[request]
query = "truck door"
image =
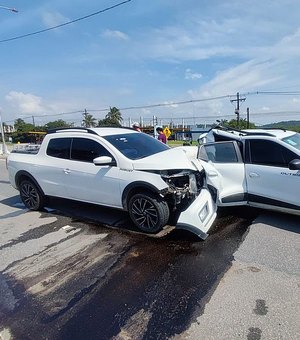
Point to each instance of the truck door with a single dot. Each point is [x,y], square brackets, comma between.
[87,182]
[225,170]
[50,169]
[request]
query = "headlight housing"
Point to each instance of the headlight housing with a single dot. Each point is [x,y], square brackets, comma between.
[187,181]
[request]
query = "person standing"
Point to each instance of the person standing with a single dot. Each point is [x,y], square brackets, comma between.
[136,127]
[161,136]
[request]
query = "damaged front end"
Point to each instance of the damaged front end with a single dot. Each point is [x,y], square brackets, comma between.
[190,200]
[183,187]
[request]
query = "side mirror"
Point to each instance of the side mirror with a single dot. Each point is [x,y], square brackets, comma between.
[294,164]
[104,160]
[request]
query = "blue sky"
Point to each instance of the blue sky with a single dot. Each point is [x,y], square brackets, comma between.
[147,52]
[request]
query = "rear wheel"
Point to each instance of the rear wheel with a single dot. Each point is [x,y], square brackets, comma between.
[31,195]
[148,212]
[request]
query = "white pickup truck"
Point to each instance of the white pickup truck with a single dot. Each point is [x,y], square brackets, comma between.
[119,168]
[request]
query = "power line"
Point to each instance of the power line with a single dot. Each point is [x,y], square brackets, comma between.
[66,23]
[179,103]
[165,104]
[225,116]
[277,93]
[197,100]
[282,93]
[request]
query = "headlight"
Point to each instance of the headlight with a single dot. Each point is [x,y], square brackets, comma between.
[203,213]
[177,180]
[193,184]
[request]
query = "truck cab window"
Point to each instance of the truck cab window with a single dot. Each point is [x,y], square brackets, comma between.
[59,148]
[85,150]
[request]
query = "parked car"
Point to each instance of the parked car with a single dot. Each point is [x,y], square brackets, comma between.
[119,168]
[258,167]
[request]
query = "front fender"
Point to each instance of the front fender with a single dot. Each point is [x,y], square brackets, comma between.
[137,187]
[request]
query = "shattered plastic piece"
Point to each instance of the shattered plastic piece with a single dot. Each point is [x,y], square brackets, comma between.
[67,228]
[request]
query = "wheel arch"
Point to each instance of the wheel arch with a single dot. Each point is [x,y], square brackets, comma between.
[137,187]
[22,174]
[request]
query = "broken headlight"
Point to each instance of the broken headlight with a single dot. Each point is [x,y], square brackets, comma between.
[184,184]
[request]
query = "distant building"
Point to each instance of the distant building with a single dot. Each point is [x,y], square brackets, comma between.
[8,128]
[190,132]
[198,129]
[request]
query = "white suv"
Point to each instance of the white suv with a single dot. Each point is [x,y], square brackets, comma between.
[119,168]
[255,167]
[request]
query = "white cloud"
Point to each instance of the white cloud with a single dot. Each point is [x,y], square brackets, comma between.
[115,35]
[170,104]
[51,19]
[25,103]
[248,76]
[189,74]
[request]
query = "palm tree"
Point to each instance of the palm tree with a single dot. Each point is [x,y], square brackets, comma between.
[114,115]
[88,120]
[113,118]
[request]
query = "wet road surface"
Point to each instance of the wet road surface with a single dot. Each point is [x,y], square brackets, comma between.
[95,282]
[157,290]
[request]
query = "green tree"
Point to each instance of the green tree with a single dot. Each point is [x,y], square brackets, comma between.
[21,126]
[56,124]
[242,124]
[113,118]
[88,120]
[22,130]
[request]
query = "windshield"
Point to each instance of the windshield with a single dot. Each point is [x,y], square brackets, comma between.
[136,145]
[293,140]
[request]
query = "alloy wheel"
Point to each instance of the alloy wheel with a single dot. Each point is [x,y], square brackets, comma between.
[29,195]
[145,213]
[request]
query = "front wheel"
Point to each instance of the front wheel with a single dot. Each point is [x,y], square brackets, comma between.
[31,195]
[149,213]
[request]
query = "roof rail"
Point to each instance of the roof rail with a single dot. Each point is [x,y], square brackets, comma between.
[85,129]
[245,133]
[274,128]
[72,129]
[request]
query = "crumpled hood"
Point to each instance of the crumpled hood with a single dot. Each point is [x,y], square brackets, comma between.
[175,158]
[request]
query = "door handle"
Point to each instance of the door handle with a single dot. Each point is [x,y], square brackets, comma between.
[67,171]
[253,175]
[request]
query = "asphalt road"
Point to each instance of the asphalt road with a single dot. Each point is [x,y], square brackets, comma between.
[78,271]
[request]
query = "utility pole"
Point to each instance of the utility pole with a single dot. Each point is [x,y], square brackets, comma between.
[154,126]
[248,118]
[237,109]
[4,150]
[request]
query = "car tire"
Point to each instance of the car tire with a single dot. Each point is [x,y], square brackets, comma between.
[31,195]
[148,212]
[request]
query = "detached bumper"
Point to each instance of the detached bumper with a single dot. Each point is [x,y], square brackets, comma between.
[199,216]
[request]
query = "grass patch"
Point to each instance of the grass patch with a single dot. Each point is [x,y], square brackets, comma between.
[173,143]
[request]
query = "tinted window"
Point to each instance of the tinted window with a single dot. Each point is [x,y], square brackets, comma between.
[270,153]
[220,153]
[293,140]
[136,145]
[59,147]
[86,150]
